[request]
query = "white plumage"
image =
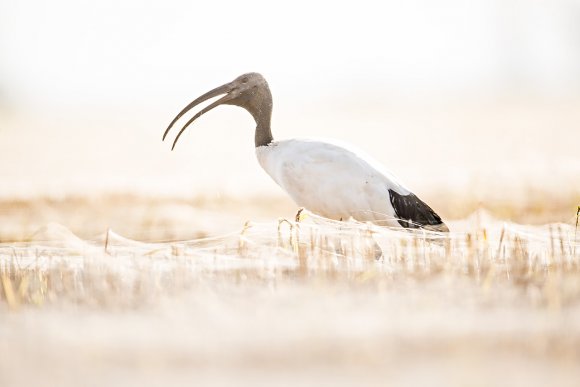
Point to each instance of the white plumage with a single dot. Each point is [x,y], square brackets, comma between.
[331,180]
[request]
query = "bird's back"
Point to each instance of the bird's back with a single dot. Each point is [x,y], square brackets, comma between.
[332,180]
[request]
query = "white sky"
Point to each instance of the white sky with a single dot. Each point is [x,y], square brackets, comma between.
[124,51]
[87,85]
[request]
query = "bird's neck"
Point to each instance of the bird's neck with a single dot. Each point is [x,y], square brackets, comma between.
[263,135]
[260,106]
[263,117]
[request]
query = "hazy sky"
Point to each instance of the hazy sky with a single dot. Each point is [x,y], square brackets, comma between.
[86,87]
[114,50]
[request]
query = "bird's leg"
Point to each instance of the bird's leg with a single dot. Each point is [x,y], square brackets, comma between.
[378,252]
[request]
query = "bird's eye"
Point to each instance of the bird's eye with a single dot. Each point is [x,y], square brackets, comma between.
[244,80]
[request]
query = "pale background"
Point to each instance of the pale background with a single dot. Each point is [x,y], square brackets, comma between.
[449,95]
[479,100]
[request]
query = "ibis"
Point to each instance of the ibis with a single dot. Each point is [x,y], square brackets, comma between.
[328,179]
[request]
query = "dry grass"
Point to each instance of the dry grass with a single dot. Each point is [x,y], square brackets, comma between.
[295,302]
[149,218]
[56,265]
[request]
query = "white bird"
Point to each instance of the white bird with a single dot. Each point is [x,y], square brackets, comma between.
[327,179]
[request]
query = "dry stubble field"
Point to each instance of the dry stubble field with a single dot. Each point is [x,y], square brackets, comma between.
[127,290]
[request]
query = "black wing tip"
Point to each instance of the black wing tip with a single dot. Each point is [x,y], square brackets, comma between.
[412,212]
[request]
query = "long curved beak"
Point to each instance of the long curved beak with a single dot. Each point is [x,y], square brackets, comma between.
[223,89]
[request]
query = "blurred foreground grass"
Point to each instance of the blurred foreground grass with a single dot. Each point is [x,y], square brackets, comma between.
[283,302]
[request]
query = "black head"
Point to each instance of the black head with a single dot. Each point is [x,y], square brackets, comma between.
[249,91]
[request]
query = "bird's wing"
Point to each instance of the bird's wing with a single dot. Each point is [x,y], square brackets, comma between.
[332,180]
[339,182]
[415,213]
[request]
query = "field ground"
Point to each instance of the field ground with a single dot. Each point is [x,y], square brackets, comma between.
[127,290]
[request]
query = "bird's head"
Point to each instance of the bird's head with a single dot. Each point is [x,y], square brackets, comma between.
[249,91]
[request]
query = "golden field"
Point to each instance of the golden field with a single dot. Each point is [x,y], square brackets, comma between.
[149,291]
